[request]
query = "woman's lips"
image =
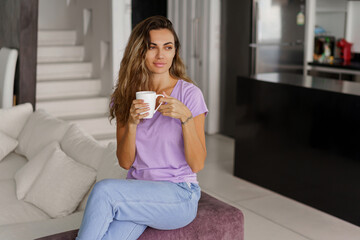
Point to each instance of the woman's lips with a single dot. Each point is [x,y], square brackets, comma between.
[159,64]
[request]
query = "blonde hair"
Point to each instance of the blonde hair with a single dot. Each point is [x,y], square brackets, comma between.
[134,75]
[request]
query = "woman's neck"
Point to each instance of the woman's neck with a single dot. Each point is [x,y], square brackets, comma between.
[162,82]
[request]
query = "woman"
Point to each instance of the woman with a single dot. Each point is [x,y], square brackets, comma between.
[163,154]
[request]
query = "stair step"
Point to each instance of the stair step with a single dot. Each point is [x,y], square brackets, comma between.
[99,128]
[67,89]
[76,108]
[53,71]
[56,37]
[60,54]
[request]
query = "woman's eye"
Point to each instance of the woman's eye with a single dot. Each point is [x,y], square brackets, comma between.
[151,47]
[169,48]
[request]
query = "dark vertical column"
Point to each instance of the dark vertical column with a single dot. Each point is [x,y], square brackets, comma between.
[9,29]
[28,27]
[142,9]
[235,56]
[18,30]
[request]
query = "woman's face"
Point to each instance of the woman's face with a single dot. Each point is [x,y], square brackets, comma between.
[161,51]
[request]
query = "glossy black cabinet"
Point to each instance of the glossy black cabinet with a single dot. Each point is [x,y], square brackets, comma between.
[299,136]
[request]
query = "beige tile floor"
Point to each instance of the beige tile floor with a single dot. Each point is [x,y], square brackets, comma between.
[268,215]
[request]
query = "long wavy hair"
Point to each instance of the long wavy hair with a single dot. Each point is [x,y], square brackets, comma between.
[134,75]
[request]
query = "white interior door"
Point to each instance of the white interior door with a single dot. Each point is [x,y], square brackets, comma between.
[197,23]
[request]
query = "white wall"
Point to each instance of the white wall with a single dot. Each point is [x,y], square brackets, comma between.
[333,22]
[331,15]
[353,25]
[331,5]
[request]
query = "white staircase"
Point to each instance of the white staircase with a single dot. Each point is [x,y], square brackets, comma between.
[66,87]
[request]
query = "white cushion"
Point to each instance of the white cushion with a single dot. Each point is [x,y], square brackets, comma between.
[19,212]
[110,167]
[10,164]
[82,204]
[7,145]
[27,175]
[61,185]
[39,130]
[12,120]
[7,191]
[82,147]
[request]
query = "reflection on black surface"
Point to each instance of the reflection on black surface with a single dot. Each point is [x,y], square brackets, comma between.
[325,84]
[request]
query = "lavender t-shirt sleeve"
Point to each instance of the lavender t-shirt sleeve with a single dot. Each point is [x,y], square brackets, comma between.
[194,100]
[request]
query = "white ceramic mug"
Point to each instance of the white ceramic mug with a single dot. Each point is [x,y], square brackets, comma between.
[150,98]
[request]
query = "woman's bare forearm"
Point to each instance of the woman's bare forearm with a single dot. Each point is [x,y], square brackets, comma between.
[194,145]
[125,152]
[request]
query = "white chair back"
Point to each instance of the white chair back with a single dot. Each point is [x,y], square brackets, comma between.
[8,59]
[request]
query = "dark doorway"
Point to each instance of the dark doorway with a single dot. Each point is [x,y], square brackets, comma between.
[142,9]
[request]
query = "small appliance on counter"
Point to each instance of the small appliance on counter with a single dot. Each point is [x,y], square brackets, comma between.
[324,49]
[345,49]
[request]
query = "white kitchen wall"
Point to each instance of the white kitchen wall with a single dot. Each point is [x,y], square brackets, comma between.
[353,25]
[331,15]
[331,5]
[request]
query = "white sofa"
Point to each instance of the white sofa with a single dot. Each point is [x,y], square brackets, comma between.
[47,170]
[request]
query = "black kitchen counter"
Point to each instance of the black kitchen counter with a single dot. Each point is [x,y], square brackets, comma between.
[319,83]
[299,136]
[338,64]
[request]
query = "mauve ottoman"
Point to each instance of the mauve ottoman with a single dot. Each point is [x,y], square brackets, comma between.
[215,220]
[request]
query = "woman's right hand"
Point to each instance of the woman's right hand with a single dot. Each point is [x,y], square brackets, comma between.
[137,107]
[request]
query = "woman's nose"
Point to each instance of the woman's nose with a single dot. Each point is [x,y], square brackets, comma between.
[160,54]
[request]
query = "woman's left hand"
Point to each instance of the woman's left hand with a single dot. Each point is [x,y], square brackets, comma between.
[174,108]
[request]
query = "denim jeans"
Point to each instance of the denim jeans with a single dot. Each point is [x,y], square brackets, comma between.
[122,209]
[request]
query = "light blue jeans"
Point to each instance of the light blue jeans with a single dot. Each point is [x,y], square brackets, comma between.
[122,209]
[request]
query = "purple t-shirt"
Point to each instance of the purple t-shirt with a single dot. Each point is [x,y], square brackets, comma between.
[160,152]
